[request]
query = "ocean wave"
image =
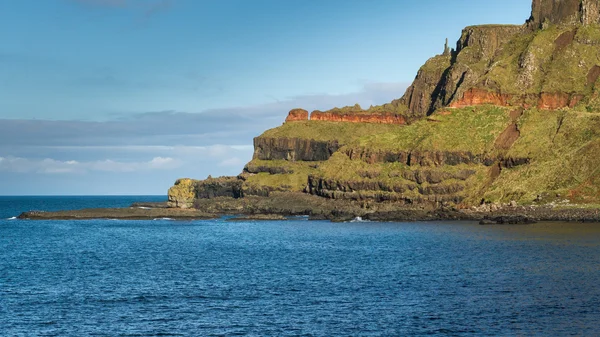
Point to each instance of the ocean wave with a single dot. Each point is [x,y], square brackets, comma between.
[12,218]
[359,219]
[166,219]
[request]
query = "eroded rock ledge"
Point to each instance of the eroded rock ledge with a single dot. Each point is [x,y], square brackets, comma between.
[380,117]
[543,101]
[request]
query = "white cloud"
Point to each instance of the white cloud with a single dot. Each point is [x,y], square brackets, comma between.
[53,166]
[14,164]
[49,165]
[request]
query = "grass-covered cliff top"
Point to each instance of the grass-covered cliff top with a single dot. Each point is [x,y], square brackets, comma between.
[471,129]
[394,107]
[294,180]
[326,131]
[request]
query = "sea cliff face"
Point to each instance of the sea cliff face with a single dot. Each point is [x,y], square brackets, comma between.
[511,114]
[293,149]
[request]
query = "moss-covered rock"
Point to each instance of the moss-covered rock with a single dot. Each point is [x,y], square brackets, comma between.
[183,193]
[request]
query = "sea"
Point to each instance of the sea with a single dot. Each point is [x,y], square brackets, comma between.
[291,278]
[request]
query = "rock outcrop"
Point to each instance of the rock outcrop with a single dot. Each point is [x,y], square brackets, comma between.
[476,96]
[297,115]
[420,96]
[186,191]
[354,114]
[182,194]
[543,101]
[293,149]
[376,118]
[546,12]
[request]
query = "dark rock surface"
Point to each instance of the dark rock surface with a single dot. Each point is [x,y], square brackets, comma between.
[132,213]
[219,187]
[560,11]
[508,220]
[259,217]
[281,204]
[150,205]
[293,149]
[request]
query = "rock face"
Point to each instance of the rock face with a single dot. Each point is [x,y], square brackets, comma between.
[296,115]
[558,100]
[219,187]
[182,194]
[555,11]
[421,95]
[293,149]
[418,158]
[186,191]
[545,12]
[544,101]
[376,118]
[475,49]
[475,96]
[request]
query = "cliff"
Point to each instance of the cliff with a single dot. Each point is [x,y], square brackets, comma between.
[511,114]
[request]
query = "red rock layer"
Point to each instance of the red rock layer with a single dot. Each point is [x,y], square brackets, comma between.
[545,101]
[297,115]
[558,100]
[378,118]
[479,96]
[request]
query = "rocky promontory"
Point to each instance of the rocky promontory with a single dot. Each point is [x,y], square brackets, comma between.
[511,115]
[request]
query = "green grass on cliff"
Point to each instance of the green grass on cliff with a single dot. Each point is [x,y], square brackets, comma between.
[471,129]
[325,131]
[436,64]
[294,181]
[564,148]
[356,109]
[341,168]
[531,63]
[569,68]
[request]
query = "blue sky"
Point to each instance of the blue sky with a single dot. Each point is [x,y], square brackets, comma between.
[125,96]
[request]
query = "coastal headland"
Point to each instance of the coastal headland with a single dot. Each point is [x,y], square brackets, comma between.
[503,128]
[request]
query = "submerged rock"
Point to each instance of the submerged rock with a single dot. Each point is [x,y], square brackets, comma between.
[508,220]
[259,217]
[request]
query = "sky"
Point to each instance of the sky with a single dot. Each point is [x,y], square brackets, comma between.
[107,97]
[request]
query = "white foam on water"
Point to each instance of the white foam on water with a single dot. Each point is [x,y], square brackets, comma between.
[167,219]
[359,219]
[13,218]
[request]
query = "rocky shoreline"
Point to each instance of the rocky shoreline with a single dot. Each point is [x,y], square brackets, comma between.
[284,205]
[131,213]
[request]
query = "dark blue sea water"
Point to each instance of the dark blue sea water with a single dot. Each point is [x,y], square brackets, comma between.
[294,278]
